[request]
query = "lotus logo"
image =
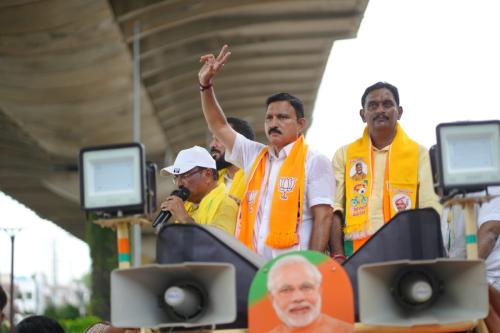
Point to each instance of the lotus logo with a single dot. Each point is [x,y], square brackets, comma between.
[251,196]
[287,184]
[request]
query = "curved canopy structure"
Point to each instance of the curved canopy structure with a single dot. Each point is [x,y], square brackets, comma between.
[66,69]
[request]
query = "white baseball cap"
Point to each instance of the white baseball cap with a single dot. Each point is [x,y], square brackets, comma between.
[188,159]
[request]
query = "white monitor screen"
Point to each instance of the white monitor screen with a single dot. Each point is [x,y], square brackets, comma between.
[114,174]
[470,154]
[112,177]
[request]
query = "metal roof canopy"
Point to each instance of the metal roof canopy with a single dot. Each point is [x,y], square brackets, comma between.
[66,69]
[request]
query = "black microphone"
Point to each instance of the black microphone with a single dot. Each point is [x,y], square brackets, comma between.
[163,217]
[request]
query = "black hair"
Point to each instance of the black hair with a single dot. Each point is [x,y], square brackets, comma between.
[380,85]
[215,174]
[3,298]
[242,126]
[294,102]
[39,324]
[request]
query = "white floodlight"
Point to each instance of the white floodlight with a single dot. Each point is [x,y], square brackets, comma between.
[112,178]
[468,155]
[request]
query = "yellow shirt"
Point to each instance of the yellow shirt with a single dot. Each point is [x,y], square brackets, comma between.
[237,184]
[225,216]
[426,195]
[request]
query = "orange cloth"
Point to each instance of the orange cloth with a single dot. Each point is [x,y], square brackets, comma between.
[288,199]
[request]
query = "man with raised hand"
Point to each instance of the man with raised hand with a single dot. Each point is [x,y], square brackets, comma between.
[397,173]
[229,174]
[289,188]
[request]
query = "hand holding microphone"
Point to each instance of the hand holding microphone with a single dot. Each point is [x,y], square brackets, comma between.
[183,193]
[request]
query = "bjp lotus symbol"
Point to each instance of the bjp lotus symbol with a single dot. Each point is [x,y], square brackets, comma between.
[286,185]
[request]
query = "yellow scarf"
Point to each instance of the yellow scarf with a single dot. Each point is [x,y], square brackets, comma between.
[400,182]
[287,204]
[237,186]
[204,213]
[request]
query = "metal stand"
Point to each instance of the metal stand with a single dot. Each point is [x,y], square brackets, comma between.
[11,232]
[136,125]
[121,224]
[11,296]
[468,205]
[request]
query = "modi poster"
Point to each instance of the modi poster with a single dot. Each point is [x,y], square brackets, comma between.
[302,291]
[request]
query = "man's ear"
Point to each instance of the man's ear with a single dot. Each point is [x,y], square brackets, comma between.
[400,112]
[302,124]
[270,296]
[210,175]
[362,115]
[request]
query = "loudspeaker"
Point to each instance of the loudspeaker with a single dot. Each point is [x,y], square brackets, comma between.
[187,295]
[412,235]
[179,243]
[407,293]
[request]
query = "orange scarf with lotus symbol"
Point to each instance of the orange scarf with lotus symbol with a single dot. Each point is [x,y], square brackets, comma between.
[287,204]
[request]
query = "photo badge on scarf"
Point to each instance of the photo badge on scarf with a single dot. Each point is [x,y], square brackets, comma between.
[358,187]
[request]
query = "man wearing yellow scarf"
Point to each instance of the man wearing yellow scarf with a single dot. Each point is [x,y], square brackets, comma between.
[379,174]
[208,202]
[286,205]
[229,174]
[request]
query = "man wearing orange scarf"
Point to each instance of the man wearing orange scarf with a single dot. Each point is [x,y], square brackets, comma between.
[396,173]
[286,205]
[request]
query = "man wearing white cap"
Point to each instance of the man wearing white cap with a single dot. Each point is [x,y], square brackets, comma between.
[208,202]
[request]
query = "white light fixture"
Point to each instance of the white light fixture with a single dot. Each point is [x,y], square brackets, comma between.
[468,155]
[112,178]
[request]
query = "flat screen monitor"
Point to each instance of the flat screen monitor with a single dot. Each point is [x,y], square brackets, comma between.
[112,177]
[469,155]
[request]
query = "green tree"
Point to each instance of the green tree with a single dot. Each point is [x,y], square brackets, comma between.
[68,311]
[86,280]
[79,325]
[102,243]
[51,311]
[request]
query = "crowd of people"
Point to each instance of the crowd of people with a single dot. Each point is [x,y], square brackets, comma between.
[284,196]
[290,197]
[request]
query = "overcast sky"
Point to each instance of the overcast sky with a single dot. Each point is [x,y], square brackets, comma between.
[443,55]
[39,245]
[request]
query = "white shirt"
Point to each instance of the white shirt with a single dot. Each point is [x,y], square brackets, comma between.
[453,228]
[228,182]
[491,212]
[319,185]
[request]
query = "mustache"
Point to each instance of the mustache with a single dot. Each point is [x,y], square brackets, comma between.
[274,130]
[300,305]
[215,150]
[381,116]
